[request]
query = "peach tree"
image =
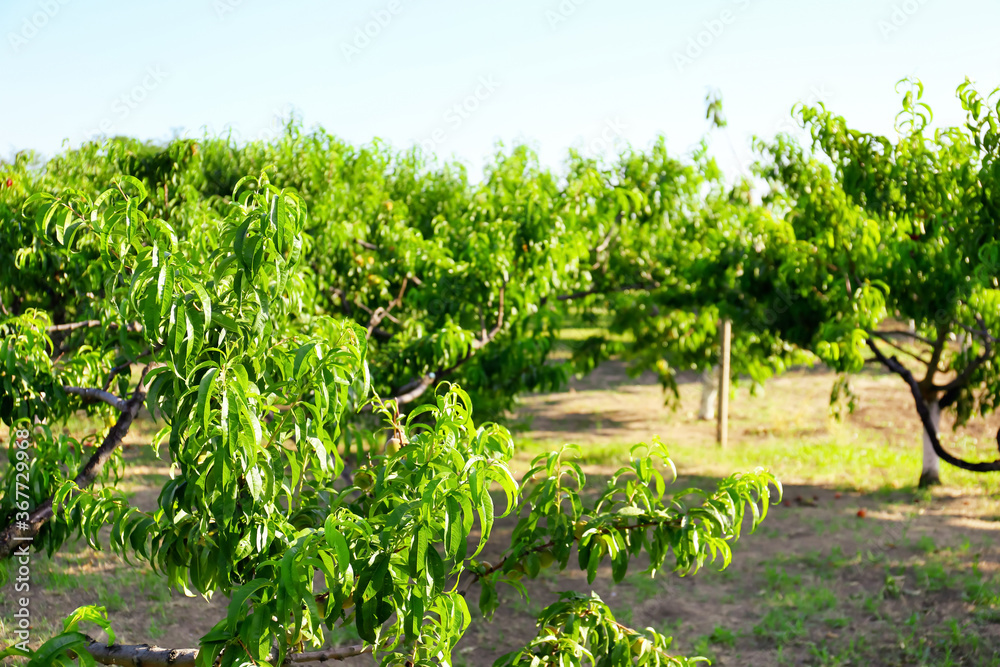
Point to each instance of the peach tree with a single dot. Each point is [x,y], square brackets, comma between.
[885,231]
[206,321]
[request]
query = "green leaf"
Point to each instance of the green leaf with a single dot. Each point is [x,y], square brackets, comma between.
[205,390]
[255,482]
[91,614]
[418,551]
[434,571]
[485,521]
[300,356]
[59,646]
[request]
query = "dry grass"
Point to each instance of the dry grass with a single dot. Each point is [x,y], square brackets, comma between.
[911,583]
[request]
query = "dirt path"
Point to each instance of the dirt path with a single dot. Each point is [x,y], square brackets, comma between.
[812,582]
[911,582]
[608,406]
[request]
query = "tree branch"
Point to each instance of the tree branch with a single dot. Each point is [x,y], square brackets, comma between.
[610,290]
[141,655]
[144,655]
[932,365]
[925,416]
[605,242]
[381,313]
[72,326]
[882,336]
[22,531]
[607,239]
[133,327]
[411,391]
[121,368]
[94,394]
[476,576]
[963,377]
[907,334]
[487,337]
[981,332]
[339,653]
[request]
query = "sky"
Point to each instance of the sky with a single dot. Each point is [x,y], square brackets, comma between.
[460,78]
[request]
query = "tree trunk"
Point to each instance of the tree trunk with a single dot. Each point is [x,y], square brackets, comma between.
[722,423]
[709,392]
[930,475]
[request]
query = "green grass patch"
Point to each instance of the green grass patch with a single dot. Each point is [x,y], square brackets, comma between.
[854,464]
[577,334]
[791,610]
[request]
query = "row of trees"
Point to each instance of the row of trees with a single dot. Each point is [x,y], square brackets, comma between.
[253,390]
[259,322]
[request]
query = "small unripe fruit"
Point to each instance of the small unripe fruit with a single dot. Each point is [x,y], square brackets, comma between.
[545,558]
[579,528]
[363,479]
[392,446]
[348,603]
[637,646]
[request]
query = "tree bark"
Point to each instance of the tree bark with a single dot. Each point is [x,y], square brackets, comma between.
[95,394]
[722,429]
[18,532]
[709,393]
[930,474]
[930,427]
[144,655]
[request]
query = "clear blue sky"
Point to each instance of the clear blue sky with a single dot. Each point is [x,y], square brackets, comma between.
[553,73]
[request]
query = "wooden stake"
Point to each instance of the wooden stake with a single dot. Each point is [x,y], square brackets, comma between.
[722,431]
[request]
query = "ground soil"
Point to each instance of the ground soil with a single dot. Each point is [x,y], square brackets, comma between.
[815,541]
